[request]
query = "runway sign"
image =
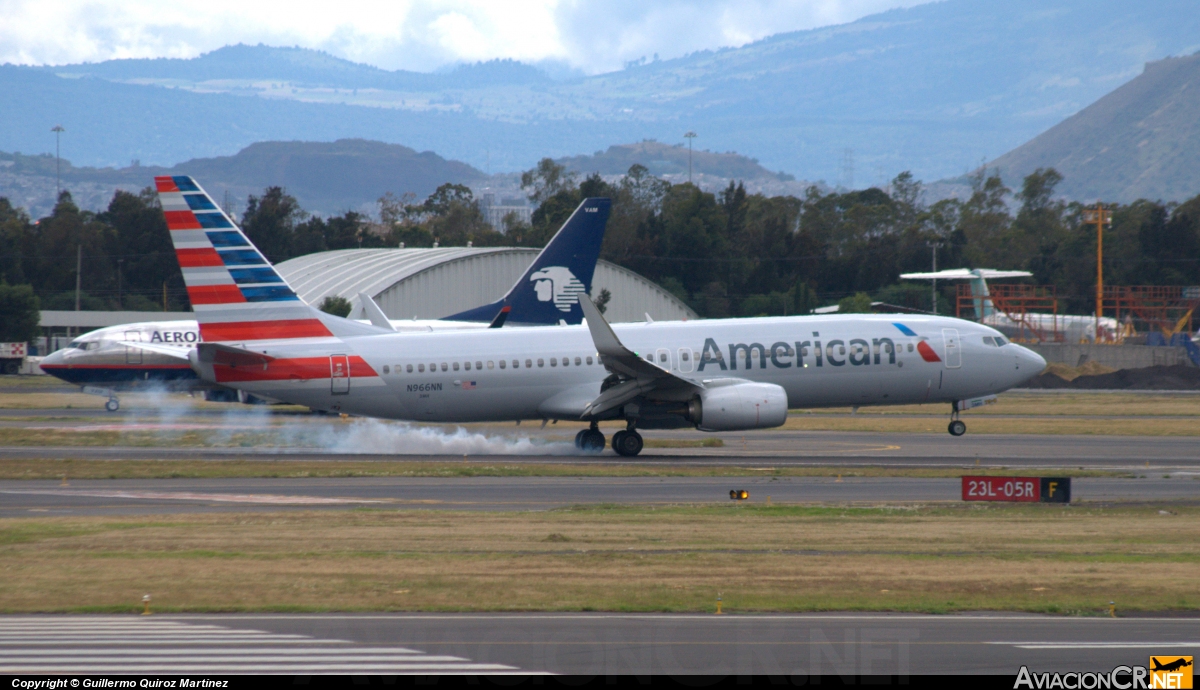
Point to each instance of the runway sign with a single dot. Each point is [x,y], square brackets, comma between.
[1017,489]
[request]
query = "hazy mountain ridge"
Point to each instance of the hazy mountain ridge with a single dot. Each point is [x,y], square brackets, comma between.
[1140,141]
[299,65]
[328,178]
[935,88]
[664,159]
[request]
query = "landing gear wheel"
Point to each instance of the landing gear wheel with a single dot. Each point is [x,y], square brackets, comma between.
[112,405]
[591,440]
[627,443]
[958,427]
[579,438]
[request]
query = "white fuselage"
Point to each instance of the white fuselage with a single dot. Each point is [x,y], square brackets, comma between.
[459,376]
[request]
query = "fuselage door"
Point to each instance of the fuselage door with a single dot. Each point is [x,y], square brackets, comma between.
[685,360]
[953,348]
[662,358]
[133,355]
[339,374]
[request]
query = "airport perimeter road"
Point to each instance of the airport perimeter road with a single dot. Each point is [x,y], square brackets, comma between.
[588,644]
[754,448]
[159,496]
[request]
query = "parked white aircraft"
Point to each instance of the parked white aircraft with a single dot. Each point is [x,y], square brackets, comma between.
[715,375]
[1073,327]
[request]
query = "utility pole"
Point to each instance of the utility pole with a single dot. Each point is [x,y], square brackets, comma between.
[934,246]
[689,136]
[58,130]
[1101,217]
[120,267]
[78,274]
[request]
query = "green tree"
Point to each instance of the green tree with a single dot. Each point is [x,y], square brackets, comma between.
[270,223]
[602,300]
[546,180]
[20,313]
[336,305]
[858,303]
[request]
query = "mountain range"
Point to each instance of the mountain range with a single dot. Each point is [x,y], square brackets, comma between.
[1140,141]
[935,89]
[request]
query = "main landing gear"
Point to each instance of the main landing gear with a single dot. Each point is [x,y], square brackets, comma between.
[957,426]
[590,440]
[627,442]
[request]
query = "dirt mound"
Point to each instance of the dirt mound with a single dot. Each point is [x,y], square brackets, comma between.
[1161,378]
[1071,373]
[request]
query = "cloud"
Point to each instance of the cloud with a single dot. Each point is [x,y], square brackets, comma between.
[589,35]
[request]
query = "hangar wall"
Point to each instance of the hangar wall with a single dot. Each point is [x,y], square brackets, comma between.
[432,283]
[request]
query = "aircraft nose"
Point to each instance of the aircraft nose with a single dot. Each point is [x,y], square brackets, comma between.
[1031,362]
[54,358]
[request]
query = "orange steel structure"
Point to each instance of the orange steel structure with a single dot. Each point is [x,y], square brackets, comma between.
[1015,301]
[1168,308]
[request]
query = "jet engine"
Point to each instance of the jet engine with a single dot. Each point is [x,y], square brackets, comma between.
[739,406]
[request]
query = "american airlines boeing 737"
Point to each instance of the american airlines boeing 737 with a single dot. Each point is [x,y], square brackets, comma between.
[713,375]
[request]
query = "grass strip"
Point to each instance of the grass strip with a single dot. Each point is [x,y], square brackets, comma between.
[58,468]
[928,558]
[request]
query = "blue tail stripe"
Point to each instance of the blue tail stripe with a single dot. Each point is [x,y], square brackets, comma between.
[242,276]
[241,257]
[231,238]
[199,202]
[271,293]
[185,184]
[212,220]
[904,329]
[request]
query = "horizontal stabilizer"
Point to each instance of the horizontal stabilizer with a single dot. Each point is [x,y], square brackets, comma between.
[229,356]
[374,313]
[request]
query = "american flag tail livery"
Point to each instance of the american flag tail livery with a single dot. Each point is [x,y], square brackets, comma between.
[235,292]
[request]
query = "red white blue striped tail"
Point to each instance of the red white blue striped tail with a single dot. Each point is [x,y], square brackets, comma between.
[236,293]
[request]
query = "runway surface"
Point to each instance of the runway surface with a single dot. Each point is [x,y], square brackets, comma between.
[164,496]
[586,644]
[756,448]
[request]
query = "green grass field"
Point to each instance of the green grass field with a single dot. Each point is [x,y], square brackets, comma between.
[610,558]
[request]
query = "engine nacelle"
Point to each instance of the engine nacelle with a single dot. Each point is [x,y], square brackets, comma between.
[739,406]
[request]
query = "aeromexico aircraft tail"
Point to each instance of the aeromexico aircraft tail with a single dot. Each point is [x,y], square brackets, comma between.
[549,291]
[236,294]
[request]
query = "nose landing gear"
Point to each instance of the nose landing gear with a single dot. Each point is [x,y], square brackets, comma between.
[957,426]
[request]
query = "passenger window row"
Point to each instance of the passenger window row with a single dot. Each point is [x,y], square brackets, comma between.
[419,368]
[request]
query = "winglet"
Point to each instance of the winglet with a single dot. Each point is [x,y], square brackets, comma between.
[603,337]
[501,317]
[374,313]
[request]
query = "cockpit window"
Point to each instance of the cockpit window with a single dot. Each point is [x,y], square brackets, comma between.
[994,341]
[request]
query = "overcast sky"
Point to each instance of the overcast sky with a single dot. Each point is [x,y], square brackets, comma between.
[589,35]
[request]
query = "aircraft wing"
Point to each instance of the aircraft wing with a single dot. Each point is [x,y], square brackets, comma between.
[640,377]
[966,274]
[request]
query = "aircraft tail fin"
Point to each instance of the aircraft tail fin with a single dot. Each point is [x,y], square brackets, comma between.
[550,289]
[236,293]
[981,296]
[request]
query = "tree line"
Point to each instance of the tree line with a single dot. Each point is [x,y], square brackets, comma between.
[729,253]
